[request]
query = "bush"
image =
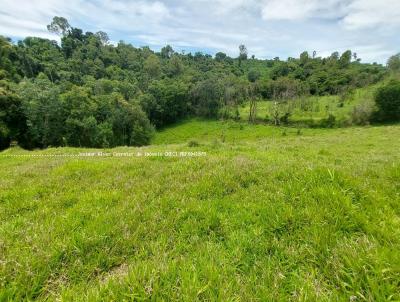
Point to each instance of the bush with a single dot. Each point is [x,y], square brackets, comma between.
[207,98]
[4,137]
[285,118]
[387,100]
[253,75]
[361,114]
[329,122]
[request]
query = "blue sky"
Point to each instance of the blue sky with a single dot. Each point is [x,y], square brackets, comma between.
[268,28]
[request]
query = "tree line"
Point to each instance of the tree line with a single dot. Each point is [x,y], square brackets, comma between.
[88,92]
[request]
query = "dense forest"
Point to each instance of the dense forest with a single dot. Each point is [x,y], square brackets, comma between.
[88,92]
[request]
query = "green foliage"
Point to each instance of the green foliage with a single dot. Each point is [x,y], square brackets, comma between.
[79,117]
[207,97]
[220,56]
[12,119]
[167,52]
[394,63]
[59,25]
[388,102]
[167,101]
[44,112]
[283,88]
[242,53]
[253,76]
[329,122]
[175,67]
[152,66]
[345,59]
[362,114]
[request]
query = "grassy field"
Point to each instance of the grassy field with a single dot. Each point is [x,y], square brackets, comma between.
[316,108]
[267,214]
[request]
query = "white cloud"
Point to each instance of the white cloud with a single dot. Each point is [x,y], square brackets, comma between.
[288,9]
[355,14]
[113,14]
[372,13]
[301,9]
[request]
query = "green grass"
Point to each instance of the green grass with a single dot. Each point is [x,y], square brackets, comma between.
[316,108]
[228,131]
[263,217]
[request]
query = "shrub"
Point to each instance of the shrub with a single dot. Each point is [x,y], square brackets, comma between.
[387,100]
[329,122]
[237,114]
[285,118]
[361,114]
[253,75]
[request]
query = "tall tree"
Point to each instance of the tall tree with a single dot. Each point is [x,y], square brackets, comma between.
[167,52]
[394,63]
[345,59]
[103,37]
[242,53]
[59,26]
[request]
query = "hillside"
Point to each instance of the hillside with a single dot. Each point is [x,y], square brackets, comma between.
[266,214]
[84,91]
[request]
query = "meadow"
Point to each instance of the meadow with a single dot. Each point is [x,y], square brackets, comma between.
[266,214]
[310,110]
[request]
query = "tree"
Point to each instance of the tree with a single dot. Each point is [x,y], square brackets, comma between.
[253,110]
[152,66]
[103,37]
[59,26]
[253,75]
[12,119]
[314,54]
[175,66]
[80,122]
[43,110]
[286,88]
[394,63]
[169,101]
[304,57]
[130,125]
[242,53]
[345,59]
[220,56]
[167,52]
[387,100]
[207,96]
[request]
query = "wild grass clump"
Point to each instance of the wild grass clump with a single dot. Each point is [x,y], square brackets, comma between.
[193,143]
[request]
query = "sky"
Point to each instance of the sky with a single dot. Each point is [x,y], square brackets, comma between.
[269,28]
